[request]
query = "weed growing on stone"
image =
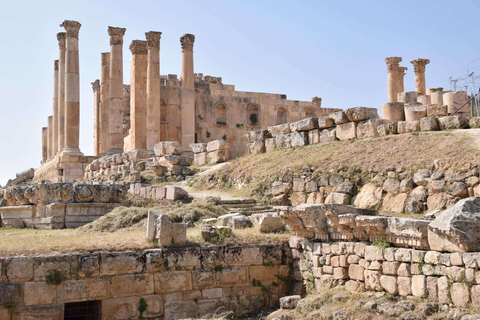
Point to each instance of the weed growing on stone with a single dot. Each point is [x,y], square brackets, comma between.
[382,244]
[55,277]
[142,307]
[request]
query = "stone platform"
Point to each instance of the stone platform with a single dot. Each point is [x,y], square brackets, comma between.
[63,168]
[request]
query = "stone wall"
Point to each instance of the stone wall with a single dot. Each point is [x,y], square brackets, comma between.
[440,277]
[174,282]
[63,169]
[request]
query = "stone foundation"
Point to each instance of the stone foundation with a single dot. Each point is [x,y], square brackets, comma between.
[63,169]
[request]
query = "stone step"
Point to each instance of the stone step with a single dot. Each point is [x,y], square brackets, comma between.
[256,208]
[238,201]
[245,205]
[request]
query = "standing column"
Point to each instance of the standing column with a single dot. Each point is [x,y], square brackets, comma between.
[72,90]
[55,110]
[44,144]
[115,141]
[61,91]
[96,119]
[392,77]
[104,103]
[419,68]
[188,91]
[153,89]
[138,95]
[49,138]
[400,79]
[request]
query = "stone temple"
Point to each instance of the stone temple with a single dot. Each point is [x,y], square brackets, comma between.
[192,108]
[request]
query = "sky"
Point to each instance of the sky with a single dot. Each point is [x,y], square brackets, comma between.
[331,49]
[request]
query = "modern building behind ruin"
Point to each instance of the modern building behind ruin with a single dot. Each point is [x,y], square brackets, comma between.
[153,108]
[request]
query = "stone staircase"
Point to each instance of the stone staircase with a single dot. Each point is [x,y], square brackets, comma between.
[245,206]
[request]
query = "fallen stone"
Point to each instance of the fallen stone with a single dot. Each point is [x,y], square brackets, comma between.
[304,124]
[239,222]
[175,193]
[361,113]
[429,124]
[452,122]
[270,224]
[217,145]
[289,302]
[415,111]
[223,220]
[279,129]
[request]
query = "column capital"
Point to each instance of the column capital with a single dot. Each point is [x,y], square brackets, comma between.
[153,39]
[96,85]
[402,71]
[187,41]
[392,63]
[72,28]
[419,65]
[61,39]
[138,47]
[116,35]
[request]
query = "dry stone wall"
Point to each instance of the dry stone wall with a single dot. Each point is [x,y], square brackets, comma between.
[175,282]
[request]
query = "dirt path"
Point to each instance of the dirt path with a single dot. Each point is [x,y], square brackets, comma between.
[474,133]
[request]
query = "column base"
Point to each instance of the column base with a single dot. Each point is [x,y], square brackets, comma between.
[71,152]
[114,151]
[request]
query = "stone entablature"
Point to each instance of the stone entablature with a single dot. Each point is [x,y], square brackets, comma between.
[176,283]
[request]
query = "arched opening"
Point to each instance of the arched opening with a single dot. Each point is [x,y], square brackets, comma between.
[253,115]
[309,113]
[221,114]
[281,115]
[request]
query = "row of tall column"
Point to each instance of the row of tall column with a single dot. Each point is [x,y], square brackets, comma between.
[396,73]
[61,136]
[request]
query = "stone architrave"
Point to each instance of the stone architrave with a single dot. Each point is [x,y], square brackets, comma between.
[188,91]
[72,90]
[400,80]
[96,121]
[392,77]
[49,137]
[153,89]
[138,95]
[419,68]
[44,144]
[104,102]
[115,144]
[61,37]
[55,110]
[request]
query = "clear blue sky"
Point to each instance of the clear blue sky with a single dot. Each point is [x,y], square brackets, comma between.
[331,49]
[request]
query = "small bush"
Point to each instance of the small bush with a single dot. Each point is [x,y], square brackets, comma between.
[55,277]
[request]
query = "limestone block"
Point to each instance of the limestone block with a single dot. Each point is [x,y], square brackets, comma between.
[175,193]
[372,280]
[475,296]
[256,147]
[415,111]
[278,130]
[338,117]
[437,110]
[407,97]
[389,255]
[167,148]
[340,273]
[474,122]
[43,268]
[432,289]
[361,113]
[402,127]
[239,222]
[39,293]
[369,196]
[167,233]
[305,124]
[328,135]
[114,263]
[254,136]
[356,286]
[424,99]
[298,139]
[460,295]
[443,287]
[436,97]
[20,269]
[404,286]
[338,198]
[128,285]
[173,281]
[232,276]
[271,144]
[180,309]
[456,101]
[325,122]
[346,131]
[419,286]
[389,283]
[393,111]
[367,128]
[390,267]
[452,122]
[386,128]
[223,219]
[429,124]
[200,159]
[271,224]
[202,147]
[217,156]
[373,253]
[217,145]
[394,203]
[413,126]
[289,302]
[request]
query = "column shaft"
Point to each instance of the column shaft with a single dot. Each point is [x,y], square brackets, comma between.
[400,79]
[96,119]
[392,77]
[55,109]
[188,91]
[138,95]
[44,144]
[104,103]
[115,144]
[61,91]
[50,138]
[72,90]
[153,89]
[419,68]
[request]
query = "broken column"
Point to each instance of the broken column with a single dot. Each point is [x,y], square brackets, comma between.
[55,110]
[188,91]
[44,144]
[456,102]
[393,111]
[72,90]
[138,95]
[419,68]
[392,77]
[61,90]
[104,102]
[96,120]
[436,96]
[115,141]
[153,89]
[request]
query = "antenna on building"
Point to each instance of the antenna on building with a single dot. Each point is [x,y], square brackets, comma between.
[475,94]
[455,84]
[450,83]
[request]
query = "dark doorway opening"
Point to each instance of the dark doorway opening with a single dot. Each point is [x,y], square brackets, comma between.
[84,310]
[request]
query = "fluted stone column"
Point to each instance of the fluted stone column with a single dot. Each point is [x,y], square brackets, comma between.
[153,89]
[419,68]
[61,91]
[104,103]
[401,71]
[55,109]
[44,144]
[188,91]
[97,116]
[115,144]
[49,137]
[72,90]
[392,77]
[138,95]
